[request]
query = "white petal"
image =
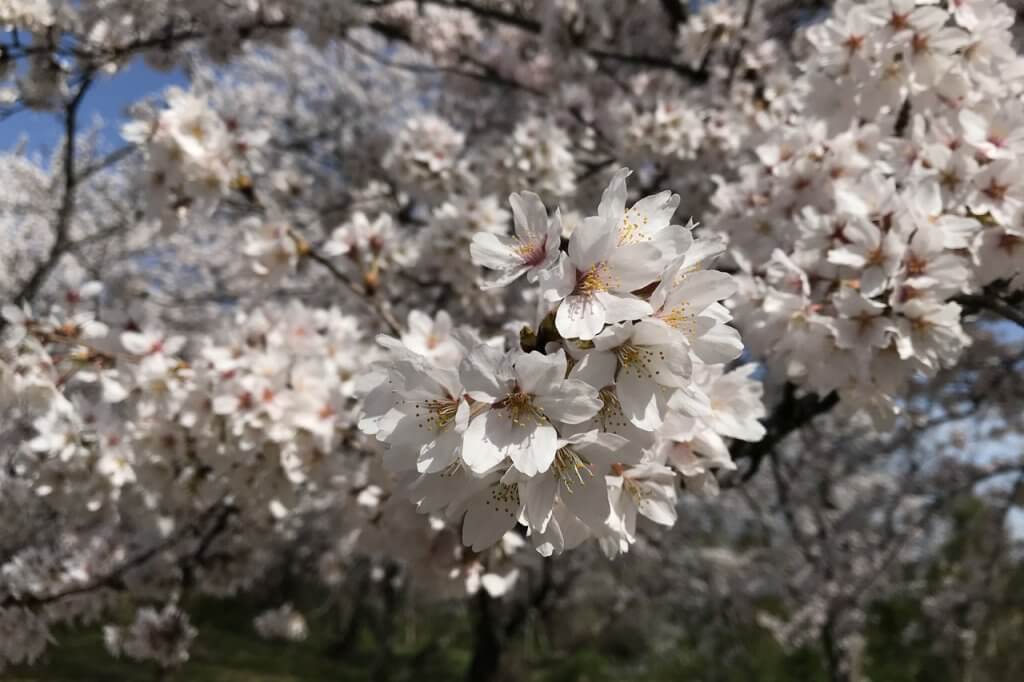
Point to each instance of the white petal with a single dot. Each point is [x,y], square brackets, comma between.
[539,500]
[721,344]
[497,252]
[538,373]
[485,442]
[620,308]
[490,515]
[440,452]
[590,243]
[638,401]
[535,448]
[479,373]
[580,317]
[635,266]
[529,215]
[588,500]
[596,368]
[574,403]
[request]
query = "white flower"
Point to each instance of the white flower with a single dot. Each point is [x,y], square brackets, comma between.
[420,412]
[533,249]
[432,338]
[577,479]
[596,279]
[930,332]
[863,325]
[995,134]
[524,397]
[877,256]
[491,513]
[651,364]
[647,220]
[648,489]
[687,301]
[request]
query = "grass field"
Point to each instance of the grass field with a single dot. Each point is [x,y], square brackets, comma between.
[437,648]
[228,650]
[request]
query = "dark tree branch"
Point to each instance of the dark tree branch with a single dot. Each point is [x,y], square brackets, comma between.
[676,10]
[112,579]
[789,415]
[372,301]
[493,14]
[992,303]
[737,54]
[699,75]
[62,220]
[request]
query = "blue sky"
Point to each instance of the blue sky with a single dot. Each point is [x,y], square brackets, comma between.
[106,101]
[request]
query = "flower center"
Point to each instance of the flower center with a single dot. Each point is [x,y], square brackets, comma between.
[436,414]
[533,253]
[521,409]
[916,265]
[591,281]
[679,318]
[631,231]
[638,359]
[610,415]
[570,465]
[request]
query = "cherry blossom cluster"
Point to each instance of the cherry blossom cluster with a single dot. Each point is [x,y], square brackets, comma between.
[59,36]
[386,529]
[890,192]
[142,441]
[148,431]
[586,421]
[193,155]
[284,623]
[161,635]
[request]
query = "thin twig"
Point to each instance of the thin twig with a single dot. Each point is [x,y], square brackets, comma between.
[62,221]
[372,301]
[993,304]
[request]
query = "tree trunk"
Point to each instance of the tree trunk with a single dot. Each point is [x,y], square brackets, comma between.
[484,665]
[837,672]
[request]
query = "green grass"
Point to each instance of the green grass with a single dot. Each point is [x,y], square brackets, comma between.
[227,649]
[435,647]
[218,655]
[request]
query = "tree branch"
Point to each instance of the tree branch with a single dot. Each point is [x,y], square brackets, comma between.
[375,304]
[992,303]
[789,415]
[677,10]
[62,221]
[112,578]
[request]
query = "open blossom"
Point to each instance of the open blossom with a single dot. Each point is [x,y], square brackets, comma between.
[610,256]
[524,395]
[650,363]
[687,300]
[577,480]
[647,489]
[533,249]
[420,411]
[863,325]
[594,281]
[930,332]
[696,444]
[876,255]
